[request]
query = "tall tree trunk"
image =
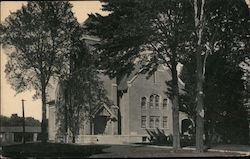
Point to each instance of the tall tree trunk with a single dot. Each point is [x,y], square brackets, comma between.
[176,128]
[67,95]
[200,104]
[44,122]
[175,104]
[199,22]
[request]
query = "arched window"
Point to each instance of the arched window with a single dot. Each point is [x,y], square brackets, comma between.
[143,102]
[165,103]
[151,100]
[157,100]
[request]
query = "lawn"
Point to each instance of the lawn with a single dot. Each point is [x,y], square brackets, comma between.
[51,150]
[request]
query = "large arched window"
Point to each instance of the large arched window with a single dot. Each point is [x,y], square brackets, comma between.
[143,102]
[151,101]
[157,101]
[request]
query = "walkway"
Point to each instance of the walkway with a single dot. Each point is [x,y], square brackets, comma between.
[125,151]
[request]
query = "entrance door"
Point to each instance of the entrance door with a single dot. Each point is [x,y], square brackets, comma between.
[100,123]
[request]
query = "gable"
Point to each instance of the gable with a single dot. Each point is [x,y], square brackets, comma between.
[104,110]
[162,75]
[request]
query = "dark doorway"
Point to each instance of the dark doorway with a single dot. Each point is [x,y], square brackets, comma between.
[186,126]
[100,123]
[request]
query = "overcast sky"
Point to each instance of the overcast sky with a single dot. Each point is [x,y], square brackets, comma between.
[9,102]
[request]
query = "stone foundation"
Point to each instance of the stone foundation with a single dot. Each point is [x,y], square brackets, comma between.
[110,139]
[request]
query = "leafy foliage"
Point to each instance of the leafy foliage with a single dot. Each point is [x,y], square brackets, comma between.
[40,35]
[224,44]
[143,33]
[15,120]
[139,32]
[158,137]
[80,92]
[225,113]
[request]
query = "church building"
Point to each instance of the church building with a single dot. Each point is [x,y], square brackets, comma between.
[140,105]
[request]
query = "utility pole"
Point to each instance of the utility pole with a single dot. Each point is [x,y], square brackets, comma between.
[23,121]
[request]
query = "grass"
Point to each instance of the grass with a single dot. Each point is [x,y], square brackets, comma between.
[51,150]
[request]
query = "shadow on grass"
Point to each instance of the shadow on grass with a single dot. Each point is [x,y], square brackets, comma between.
[51,150]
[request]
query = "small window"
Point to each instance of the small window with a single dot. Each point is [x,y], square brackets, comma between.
[157,98]
[143,102]
[157,121]
[151,122]
[143,121]
[144,138]
[165,103]
[165,122]
[151,100]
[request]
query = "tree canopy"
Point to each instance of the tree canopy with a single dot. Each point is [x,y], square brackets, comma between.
[146,34]
[40,35]
[80,91]
[224,44]
[15,120]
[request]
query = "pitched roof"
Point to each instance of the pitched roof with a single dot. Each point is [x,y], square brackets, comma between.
[123,84]
[104,106]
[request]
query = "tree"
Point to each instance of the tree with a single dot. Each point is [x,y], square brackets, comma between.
[15,120]
[80,92]
[199,24]
[216,28]
[40,34]
[145,33]
[225,113]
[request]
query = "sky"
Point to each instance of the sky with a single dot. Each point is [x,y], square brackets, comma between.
[10,102]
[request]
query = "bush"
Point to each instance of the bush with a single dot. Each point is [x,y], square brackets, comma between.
[158,137]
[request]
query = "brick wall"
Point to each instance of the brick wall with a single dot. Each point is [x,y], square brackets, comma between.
[131,104]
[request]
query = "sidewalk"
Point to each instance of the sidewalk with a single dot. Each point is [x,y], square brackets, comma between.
[154,151]
[240,149]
